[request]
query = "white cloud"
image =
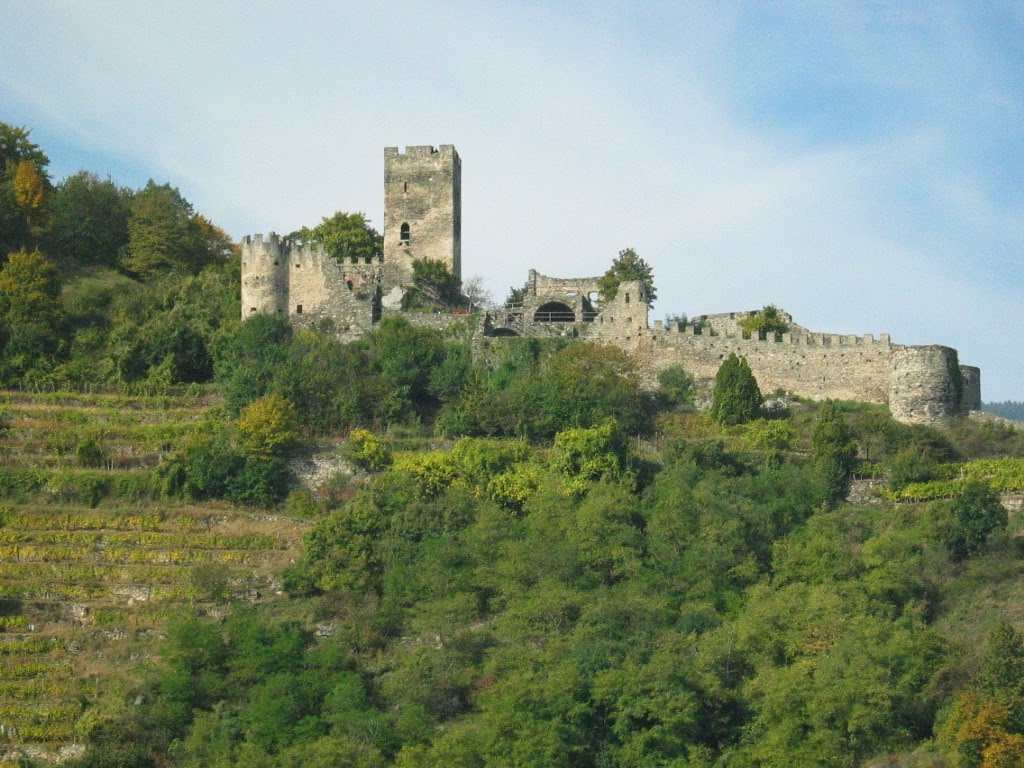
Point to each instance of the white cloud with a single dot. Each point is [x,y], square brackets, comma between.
[841,162]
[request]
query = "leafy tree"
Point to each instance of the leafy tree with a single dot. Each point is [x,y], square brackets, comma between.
[163,233]
[736,397]
[29,287]
[267,428]
[28,188]
[676,386]
[764,321]
[15,147]
[217,244]
[627,267]
[517,295]
[975,516]
[30,315]
[835,452]
[23,187]
[433,281]
[347,237]
[88,220]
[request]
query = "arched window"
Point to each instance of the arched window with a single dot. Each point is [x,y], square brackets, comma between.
[404,234]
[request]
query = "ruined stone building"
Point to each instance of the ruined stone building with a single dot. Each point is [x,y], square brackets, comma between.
[422,219]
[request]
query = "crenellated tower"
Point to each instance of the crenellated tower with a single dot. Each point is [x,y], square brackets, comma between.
[422,209]
[265,264]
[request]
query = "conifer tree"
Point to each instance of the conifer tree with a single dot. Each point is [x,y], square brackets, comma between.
[736,398]
[835,452]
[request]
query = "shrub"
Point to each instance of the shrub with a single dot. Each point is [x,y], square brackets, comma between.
[90,453]
[974,517]
[367,450]
[676,387]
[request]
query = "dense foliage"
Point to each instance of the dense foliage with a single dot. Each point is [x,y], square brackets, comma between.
[348,237]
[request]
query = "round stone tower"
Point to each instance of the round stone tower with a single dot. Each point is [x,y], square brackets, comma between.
[925,384]
[264,274]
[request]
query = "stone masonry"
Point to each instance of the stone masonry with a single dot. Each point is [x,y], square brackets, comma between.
[422,219]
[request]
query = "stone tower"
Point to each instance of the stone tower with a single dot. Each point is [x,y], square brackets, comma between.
[422,210]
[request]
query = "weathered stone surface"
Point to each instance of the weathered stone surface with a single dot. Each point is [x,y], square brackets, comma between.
[422,219]
[423,192]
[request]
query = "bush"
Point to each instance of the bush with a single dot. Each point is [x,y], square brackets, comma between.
[90,453]
[911,465]
[974,517]
[676,387]
[366,450]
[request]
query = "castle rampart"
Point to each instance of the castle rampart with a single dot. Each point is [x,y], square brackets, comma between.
[311,287]
[920,384]
[422,195]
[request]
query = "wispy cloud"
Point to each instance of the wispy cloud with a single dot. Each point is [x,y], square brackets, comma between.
[858,164]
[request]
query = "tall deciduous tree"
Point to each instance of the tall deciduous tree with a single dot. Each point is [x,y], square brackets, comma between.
[88,220]
[23,184]
[628,266]
[163,233]
[736,398]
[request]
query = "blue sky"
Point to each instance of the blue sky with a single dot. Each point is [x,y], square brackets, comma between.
[858,164]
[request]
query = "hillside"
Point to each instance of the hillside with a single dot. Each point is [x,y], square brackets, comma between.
[93,560]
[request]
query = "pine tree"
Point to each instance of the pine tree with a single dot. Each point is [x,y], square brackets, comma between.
[736,398]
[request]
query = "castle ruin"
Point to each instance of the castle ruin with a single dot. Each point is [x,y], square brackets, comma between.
[422,219]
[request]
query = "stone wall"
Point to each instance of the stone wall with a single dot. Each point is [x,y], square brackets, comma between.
[970,399]
[816,366]
[423,190]
[917,383]
[312,288]
[922,387]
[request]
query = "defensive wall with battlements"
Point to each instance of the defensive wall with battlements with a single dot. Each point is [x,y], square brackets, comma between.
[422,219]
[920,384]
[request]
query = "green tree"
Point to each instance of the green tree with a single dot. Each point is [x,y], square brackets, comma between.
[764,321]
[88,220]
[628,266]
[347,237]
[15,146]
[435,283]
[736,398]
[163,233]
[29,287]
[835,452]
[23,187]
[267,428]
[676,386]
[975,516]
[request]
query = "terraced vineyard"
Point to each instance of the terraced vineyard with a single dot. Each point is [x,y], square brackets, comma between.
[93,560]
